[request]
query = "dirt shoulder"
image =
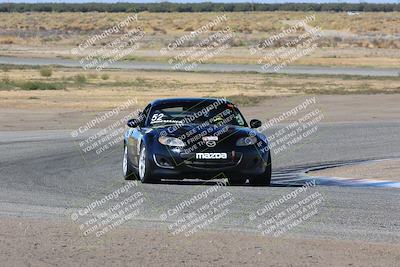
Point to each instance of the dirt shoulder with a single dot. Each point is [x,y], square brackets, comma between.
[379,170]
[325,56]
[27,242]
[336,108]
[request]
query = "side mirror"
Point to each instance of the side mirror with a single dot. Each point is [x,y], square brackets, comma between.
[255,123]
[133,123]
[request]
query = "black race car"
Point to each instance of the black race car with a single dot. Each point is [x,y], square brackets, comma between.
[201,138]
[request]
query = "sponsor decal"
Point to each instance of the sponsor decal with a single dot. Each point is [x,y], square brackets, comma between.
[210,141]
[210,138]
[211,155]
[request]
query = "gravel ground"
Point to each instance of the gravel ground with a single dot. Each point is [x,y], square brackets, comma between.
[380,170]
[24,244]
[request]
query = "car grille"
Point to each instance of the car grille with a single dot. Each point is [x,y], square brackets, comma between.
[206,164]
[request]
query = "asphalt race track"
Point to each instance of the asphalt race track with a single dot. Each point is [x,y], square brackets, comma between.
[43,175]
[138,65]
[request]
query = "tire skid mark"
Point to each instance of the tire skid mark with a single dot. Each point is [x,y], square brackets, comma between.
[297,175]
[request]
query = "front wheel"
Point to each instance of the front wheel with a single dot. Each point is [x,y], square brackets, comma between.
[144,167]
[265,178]
[127,170]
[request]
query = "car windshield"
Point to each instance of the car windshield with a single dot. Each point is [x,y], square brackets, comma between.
[196,112]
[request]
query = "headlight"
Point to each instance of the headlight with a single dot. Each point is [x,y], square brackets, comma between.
[170,141]
[246,141]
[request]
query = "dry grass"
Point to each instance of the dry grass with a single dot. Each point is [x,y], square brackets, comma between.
[366,22]
[245,89]
[72,28]
[257,22]
[367,40]
[353,57]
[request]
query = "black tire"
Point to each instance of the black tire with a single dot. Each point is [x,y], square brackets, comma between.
[128,170]
[144,171]
[237,181]
[265,178]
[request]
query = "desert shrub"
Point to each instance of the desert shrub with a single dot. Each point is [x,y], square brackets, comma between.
[35,85]
[80,79]
[92,75]
[105,76]
[46,71]
[5,68]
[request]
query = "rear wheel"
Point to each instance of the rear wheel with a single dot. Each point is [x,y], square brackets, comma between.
[127,170]
[265,178]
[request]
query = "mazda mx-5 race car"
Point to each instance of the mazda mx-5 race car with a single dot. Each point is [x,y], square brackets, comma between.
[201,138]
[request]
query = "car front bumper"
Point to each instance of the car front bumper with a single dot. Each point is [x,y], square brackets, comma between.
[241,162]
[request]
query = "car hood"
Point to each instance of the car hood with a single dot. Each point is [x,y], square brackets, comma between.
[222,131]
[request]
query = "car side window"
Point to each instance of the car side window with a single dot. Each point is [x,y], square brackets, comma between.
[145,113]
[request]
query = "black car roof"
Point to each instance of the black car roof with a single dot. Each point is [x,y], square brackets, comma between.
[185,100]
